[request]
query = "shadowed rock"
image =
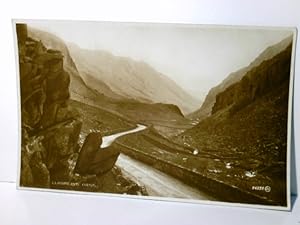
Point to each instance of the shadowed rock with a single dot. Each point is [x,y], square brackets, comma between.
[92,159]
[50,127]
[22,32]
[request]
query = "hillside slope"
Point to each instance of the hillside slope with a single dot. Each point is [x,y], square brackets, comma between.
[206,108]
[131,79]
[247,130]
[87,89]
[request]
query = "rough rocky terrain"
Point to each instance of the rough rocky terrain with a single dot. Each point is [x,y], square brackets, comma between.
[247,131]
[51,126]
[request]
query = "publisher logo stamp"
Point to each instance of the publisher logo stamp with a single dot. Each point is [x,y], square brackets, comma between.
[267,189]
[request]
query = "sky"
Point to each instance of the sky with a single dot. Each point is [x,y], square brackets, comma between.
[196,57]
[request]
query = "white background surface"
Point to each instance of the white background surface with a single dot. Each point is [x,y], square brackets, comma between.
[42,208]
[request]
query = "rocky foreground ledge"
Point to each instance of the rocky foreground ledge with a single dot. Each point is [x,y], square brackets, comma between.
[51,127]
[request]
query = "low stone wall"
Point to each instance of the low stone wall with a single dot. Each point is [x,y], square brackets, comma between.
[218,189]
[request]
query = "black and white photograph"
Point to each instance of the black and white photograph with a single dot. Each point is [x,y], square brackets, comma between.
[178,112]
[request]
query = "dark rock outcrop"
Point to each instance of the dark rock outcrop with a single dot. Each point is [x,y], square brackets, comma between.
[78,88]
[92,159]
[90,146]
[50,127]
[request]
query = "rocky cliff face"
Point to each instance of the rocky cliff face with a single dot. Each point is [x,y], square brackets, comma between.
[78,88]
[267,54]
[50,127]
[260,80]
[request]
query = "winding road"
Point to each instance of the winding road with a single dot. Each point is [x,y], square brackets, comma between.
[156,182]
[108,140]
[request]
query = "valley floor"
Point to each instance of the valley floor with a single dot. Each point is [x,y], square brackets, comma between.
[169,169]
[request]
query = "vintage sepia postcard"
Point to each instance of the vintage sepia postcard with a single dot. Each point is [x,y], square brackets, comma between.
[178,112]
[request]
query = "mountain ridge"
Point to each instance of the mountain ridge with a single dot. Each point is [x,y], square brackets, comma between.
[133,79]
[208,103]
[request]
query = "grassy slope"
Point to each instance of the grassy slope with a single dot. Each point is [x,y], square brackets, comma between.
[98,119]
[251,138]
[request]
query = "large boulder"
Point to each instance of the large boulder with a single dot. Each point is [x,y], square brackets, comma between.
[87,153]
[94,160]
